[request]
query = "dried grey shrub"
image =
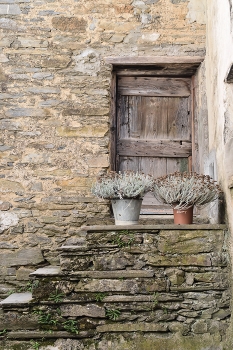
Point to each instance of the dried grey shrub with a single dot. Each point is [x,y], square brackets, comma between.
[184,190]
[122,185]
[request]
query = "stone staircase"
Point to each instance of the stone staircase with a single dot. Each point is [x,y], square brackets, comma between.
[141,287]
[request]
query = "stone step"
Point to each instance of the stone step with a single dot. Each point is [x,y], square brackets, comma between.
[98,228]
[49,271]
[17,299]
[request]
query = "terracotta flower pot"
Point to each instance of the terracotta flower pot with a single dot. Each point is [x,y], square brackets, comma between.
[183,216]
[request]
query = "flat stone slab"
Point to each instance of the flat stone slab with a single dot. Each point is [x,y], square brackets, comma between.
[114,274]
[90,310]
[47,335]
[17,298]
[119,298]
[47,271]
[133,327]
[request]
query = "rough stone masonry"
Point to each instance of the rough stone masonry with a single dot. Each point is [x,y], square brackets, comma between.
[141,288]
[55,105]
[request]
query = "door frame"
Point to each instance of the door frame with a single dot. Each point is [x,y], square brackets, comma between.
[161,66]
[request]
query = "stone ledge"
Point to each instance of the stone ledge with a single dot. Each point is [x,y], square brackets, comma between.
[47,271]
[98,228]
[44,334]
[17,299]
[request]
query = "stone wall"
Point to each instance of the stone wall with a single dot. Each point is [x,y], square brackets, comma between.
[55,88]
[146,287]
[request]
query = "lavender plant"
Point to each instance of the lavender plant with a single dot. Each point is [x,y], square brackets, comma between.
[122,185]
[183,190]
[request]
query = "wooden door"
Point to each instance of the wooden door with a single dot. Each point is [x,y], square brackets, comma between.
[154,126]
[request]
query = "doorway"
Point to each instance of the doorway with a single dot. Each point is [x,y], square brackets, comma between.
[154,129]
[152,121]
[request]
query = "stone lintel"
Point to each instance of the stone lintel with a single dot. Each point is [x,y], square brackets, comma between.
[148,60]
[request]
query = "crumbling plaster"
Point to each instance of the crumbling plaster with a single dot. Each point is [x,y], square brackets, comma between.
[220,93]
[220,106]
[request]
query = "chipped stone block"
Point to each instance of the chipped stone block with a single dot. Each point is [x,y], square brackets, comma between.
[86,131]
[4,206]
[22,274]
[182,260]
[25,112]
[23,256]
[88,62]
[89,310]
[190,242]
[69,24]
[8,219]
[175,276]
[200,327]
[54,62]
[127,285]
[9,9]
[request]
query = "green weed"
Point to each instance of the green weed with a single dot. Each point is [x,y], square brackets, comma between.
[153,302]
[35,344]
[45,318]
[57,297]
[30,286]
[100,296]
[112,314]
[70,326]
[121,242]
[3,332]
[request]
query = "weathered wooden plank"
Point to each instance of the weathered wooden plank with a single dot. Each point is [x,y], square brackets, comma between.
[128,163]
[179,118]
[154,148]
[194,125]
[152,117]
[134,116]
[123,117]
[148,60]
[113,124]
[155,117]
[154,86]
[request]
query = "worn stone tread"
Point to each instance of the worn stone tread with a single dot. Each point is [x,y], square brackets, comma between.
[47,271]
[17,298]
[98,228]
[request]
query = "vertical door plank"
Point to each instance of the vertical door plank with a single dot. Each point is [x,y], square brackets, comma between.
[179,119]
[134,116]
[128,163]
[154,117]
[123,118]
[113,123]
[153,166]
